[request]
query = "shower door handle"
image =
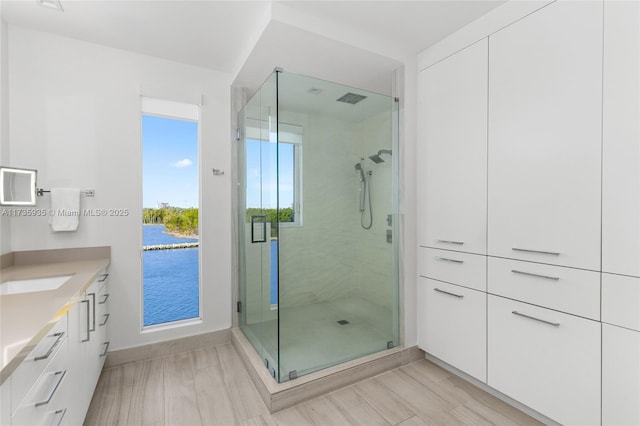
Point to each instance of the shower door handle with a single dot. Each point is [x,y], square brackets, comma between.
[261,235]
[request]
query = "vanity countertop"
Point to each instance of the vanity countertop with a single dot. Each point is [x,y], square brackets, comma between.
[26,318]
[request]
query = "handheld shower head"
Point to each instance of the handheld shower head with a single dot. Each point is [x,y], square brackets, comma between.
[358,167]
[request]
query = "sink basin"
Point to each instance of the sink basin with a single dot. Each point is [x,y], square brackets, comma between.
[30,286]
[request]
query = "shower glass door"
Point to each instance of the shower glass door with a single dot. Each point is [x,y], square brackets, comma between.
[258,223]
[318,224]
[338,276]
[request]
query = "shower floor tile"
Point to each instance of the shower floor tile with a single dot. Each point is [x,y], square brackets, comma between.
[312,339]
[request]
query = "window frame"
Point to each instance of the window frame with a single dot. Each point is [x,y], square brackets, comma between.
[185,112]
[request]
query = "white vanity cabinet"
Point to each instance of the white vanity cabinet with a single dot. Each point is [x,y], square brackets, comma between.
[620,376]
[452,150]
[39,387]
[621,139]
[452,325]
[545,359]
[87,345]
[620,350]
[545,115]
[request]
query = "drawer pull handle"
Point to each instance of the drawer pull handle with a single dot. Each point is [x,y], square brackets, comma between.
[555,324]
[106,348]
[104,278]
[53,389]
[88,322]
[548,277]
[106,297]
[451,242]
[60,413]
[444,259]
[106,318]
[459,296]
[93,297]
[553,253]
[50,351]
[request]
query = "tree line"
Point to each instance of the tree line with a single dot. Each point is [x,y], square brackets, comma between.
[176,220]
[286,214]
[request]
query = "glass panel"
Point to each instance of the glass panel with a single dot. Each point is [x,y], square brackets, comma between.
[257,201]
[338,297]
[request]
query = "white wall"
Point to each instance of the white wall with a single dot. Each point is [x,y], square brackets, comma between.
[75,116]
[5,229]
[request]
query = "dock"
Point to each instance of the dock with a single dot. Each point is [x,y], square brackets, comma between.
[170,246]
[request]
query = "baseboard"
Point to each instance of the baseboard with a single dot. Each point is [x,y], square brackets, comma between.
[278,396]
[481,385]
[169,347]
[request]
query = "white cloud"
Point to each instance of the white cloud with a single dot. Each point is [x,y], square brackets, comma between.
[182,163]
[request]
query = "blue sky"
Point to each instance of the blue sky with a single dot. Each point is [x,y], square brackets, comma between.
[170,166]
[169,162]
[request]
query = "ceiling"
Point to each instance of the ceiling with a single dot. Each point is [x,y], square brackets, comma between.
[203,33]
[414,25]
[302,52]
[220,34]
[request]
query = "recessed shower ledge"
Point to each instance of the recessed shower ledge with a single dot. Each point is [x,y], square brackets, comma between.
[278,396]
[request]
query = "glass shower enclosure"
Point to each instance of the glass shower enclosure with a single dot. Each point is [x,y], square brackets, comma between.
[317,223]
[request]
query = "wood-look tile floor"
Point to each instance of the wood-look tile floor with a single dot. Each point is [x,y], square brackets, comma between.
[211,387]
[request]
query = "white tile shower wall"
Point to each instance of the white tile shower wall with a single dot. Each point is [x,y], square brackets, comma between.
[317,260]
[75,116]
[331,256]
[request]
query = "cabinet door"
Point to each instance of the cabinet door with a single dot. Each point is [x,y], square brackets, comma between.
[102,323]
[621,139]
[545,114]
[453,325]
[545,359]
[452,157]
[620,376]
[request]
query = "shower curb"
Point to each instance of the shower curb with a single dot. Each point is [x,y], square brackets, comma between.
[278,396]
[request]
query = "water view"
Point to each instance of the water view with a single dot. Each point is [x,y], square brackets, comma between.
[170,213]
[170,278]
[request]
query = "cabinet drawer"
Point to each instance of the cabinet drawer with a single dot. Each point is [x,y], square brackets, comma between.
[46,400]
[574,291]
[621,301]
[28,371]
[549,361]
[468,270]
[453,325]
[620,376]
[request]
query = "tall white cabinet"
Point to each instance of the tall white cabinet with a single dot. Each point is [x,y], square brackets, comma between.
[550,312]
[545,114]
[621,133]
[453,205]
[621,215]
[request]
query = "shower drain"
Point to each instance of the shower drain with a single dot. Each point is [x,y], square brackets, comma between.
[343,322]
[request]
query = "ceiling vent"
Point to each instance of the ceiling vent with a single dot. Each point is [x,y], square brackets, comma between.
[351,98]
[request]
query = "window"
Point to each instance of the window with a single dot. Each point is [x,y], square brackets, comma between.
[288,180]
[170,220]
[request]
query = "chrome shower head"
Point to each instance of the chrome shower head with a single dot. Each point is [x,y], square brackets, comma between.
[376,157]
